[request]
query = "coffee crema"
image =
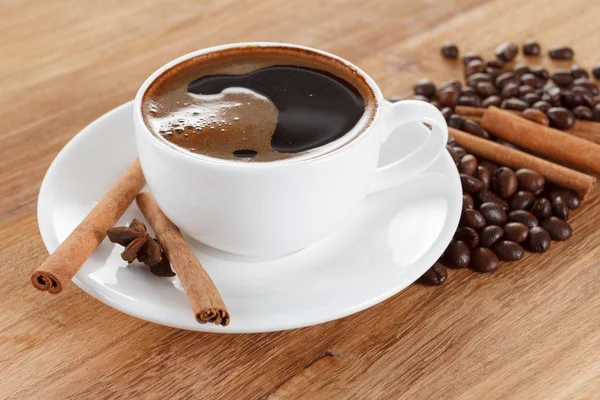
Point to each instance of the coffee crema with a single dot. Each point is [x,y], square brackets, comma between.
[257,103]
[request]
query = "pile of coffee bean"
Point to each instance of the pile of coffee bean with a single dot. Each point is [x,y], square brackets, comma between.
[504,213]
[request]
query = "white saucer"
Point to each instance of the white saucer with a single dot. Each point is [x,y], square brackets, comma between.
[398,235]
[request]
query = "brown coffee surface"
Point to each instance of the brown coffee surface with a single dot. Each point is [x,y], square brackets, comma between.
[225,104]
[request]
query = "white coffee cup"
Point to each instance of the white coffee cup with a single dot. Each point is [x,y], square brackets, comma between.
[270,209]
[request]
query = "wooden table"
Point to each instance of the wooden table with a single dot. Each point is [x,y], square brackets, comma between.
[531,330]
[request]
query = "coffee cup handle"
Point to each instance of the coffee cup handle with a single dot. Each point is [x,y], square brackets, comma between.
[402,113]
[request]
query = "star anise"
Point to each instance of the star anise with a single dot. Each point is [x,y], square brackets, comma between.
[139,245]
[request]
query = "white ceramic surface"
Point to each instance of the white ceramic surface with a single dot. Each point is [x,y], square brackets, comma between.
[271,209]
[395,236]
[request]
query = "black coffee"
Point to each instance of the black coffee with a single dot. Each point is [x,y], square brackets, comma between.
[262,105]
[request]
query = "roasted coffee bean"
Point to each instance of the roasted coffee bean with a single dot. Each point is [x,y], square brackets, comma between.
[453,154]
[543,106]
[486,89]
[451,141]
[524,217]
[477,77]
[530,180]
[474,66]
[470,184]
[472,219]
[522,200]
[541,73]
[455,121]
[507,51]
[493,72]
[468,236]
[490,235]
[539,240]
[531,48]
[560,53]
[460,151]
[468,91]
[531,98]
[557,228]
[530,79]
[553,95]
[485,196]
[436,104]
[457,255]
[484,260]
[536,116]
[467,201]
[515,231]
[579,72]
[485,176]
[560,118]
[395,99]
[541,208]
[420,98]
[504,182]
[506,78]
[468,164]
[491,101]
[434,276]
[571,198]
[509,90]
[470,101]
[470,56]
[449,50]
[450,84]
[493,213]
[474,128]
[562,77]
[589,86]
[588,99]
[571,99]
[508,251]
[507,144]
[514,104]
[526,89]
[447,112]
[596,71]
[496,64]
[559,208]
[596,113]
[449,97]
[583,113]
[489,165]
[521,69]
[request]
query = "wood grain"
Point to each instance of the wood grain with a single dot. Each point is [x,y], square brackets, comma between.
[531,330]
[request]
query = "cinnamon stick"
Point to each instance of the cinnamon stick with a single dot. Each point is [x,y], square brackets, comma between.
[565,177]
[60,267]
[548,142]
[206,301]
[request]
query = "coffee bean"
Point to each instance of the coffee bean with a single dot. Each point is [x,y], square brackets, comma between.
[472,219]
[589,86]
[596,71]
[543,106]
[596,113]
[526,89]
[467,201]
[508,251]
[560,118]
[531,98]
[560,53]
[522,200]
[493,213]
[485,176]
[486,89]
[514,104]
[453,154]
[536,116]
[541,73]
[474,66]
[484,260]
[539,240]
[507,144]
[468,164]
[457,255]
[434,276]
[460,151]
[470,101]
[507,51]
[447,112]
[571,198]
[531,48]
[531,80]
[489,165]
[583,113]
[496,64]
[553,93]
[436,104]
[504,182]
[559,208]
[509,90]
[474,128]
[493,72]
[506,78]
[588,99]
[457,85]
[515,231]
[557,228]
[470,56]
[490,235]
[449,50]
[470,184]
[395,99]
[468,91]
[451,141]
[477,77]
[468,236]
[485,196]
[579,72]
[562,77]
[541,208]
[455,121]
[491,101]
[530,180]
[521,69]
[419,97]
[571,99]
[524,217]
